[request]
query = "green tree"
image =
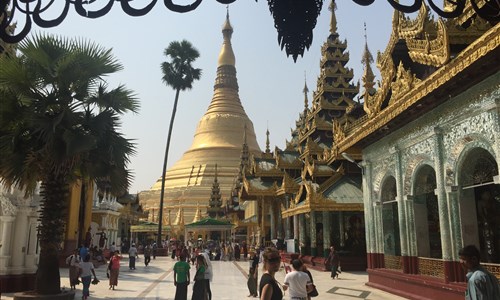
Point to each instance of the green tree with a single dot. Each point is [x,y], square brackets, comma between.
[59,123]
[179,74]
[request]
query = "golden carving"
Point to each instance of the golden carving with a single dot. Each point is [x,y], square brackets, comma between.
[405,82]
[338,131]
[434,52]
[478,49]
[410,28]
[373,104]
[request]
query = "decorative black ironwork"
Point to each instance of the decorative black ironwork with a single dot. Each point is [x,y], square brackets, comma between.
[294,19]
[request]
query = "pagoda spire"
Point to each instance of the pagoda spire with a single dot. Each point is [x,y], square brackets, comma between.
[333,18]
[215,202]
[268,150]
[368,76]
[226,56]
[305,91]
[197,216]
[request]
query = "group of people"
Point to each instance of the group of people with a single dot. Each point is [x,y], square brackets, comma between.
[481,284]
[202,277]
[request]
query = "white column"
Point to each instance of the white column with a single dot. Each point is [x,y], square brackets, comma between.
[5,250]
[19,243]
[6,235]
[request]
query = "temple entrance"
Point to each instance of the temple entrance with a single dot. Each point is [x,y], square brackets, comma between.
[480,204]
[390,218]
[427,214]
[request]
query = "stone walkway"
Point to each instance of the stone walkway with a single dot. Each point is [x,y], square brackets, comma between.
[156,282]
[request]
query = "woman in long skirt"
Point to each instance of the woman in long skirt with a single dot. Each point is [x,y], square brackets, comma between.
[199,288]
[73,261]
[114,269]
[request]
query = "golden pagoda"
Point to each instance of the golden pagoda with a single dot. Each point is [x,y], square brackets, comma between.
[218,141]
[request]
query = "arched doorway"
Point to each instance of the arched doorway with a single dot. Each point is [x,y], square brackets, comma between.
[480,203]
[390,218]
[427,214]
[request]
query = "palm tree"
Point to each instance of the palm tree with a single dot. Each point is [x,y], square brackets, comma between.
[59,124]
[180,75]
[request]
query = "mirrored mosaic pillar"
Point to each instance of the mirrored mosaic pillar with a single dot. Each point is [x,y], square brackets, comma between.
[444,220]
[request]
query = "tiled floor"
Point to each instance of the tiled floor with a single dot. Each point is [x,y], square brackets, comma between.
[229,283]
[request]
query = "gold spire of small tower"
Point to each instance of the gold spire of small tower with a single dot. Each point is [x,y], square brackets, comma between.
[267,141]
[305,91]
[333,19]
[197,216]
[226,56]
[368,76]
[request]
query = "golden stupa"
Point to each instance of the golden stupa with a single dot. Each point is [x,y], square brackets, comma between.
[219,139]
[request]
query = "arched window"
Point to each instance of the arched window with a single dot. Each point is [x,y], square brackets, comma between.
[427,214]
[390,219]
[480,203]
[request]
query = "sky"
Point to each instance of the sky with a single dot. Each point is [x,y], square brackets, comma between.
[270,83]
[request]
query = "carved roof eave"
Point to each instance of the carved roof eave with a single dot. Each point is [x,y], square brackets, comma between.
[435,52]
[316,202]
[487,43]
[469,11]
[408,28]
[387,71]
[253,192]
[284,164]
[244,194]
[313,170]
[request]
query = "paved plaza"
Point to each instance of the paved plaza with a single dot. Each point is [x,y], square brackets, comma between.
[229,283]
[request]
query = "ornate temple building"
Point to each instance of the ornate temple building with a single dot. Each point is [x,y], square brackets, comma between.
[295,195]
[419,154]
[428,144]
[217,142]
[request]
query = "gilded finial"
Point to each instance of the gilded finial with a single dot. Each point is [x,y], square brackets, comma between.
[333,20]
[226,56]
[268,150]
[368,76]
[367,56]
[305,91]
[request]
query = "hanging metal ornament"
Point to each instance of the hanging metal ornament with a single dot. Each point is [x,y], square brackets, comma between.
[295,21]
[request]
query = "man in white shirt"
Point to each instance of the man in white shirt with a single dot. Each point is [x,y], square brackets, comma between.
[298,282]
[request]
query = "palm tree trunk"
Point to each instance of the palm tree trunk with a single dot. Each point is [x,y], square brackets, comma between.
[55,192]
[162,192]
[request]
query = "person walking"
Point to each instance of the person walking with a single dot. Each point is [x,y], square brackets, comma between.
[314,291]
[333,261]
[481,284]
[181,279]
[253,275]
[73,261]
[268,286]
[297,281]
[155,247]
[147,255]
[132,255]
[200,289]
[86,272]
[114,269]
